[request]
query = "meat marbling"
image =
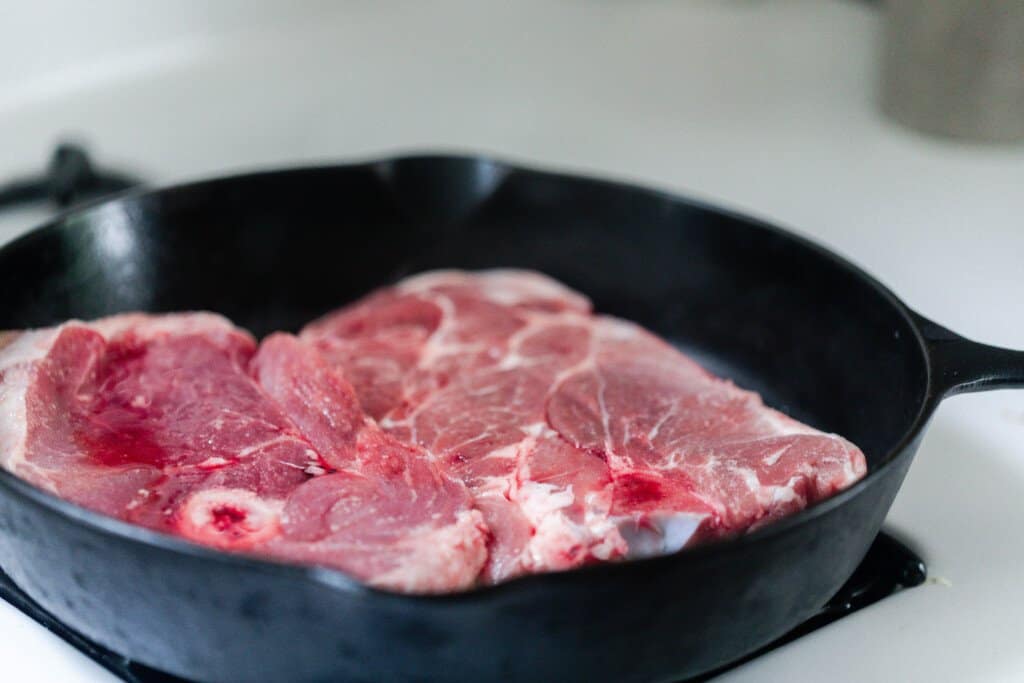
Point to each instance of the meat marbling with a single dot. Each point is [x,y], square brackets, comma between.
[581,437]
[454,427]
[178,423]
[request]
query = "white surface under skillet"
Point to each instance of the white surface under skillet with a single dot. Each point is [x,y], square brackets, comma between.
[763,106]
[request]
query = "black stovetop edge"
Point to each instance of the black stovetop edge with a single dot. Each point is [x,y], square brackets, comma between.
[889,566]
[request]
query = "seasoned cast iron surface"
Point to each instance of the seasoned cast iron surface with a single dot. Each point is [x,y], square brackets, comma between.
[888,567]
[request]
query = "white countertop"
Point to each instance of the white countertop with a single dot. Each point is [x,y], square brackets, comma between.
[763,106]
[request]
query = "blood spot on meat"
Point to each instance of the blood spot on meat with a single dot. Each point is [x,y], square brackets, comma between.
[633,489]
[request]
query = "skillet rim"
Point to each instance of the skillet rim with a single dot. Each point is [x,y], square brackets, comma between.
[337,579]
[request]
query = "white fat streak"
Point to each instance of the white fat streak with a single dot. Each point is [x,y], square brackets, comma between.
[538,500]
[774,495]
[610,542]
[537,429]
[484,391]
[508,286]
[213,462]
[750,478]
[511,361]
[652,434]
[557,539]
[433,559]
[536,322]
[773,457]
[497,485]
[147,326]
[618,329]
[504,453]
[249,450]
[849,473]
[553,532]
[241,416]
[432,279]
[435,346]
[588,362]
[389,423]
[782,494]
[609,444]
[511,287]
[555,536]
[17,363]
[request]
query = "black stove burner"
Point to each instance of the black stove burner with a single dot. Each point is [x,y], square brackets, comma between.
[70,177]
[888,567]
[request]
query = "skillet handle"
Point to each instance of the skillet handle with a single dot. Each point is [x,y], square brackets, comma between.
[961,366]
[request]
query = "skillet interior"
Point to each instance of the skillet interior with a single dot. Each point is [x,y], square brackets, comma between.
[274,250]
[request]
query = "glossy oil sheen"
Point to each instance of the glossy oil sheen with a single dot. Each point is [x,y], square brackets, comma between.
[816,337]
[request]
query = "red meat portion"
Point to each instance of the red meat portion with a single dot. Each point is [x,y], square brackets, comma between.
[581,437]
[452,425]
[177,423]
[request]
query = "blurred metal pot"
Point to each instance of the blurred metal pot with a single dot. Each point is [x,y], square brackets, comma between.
[956,67]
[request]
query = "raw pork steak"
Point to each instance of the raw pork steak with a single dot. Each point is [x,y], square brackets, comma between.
[179,424]
[581,437]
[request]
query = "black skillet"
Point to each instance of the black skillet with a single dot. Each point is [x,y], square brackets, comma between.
[816,336]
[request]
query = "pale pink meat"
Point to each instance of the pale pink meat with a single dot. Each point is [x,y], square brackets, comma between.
[453,427]
[581,437]
[385,505]
[160,421]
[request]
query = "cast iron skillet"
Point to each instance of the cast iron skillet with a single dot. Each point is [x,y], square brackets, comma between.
[816,336]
